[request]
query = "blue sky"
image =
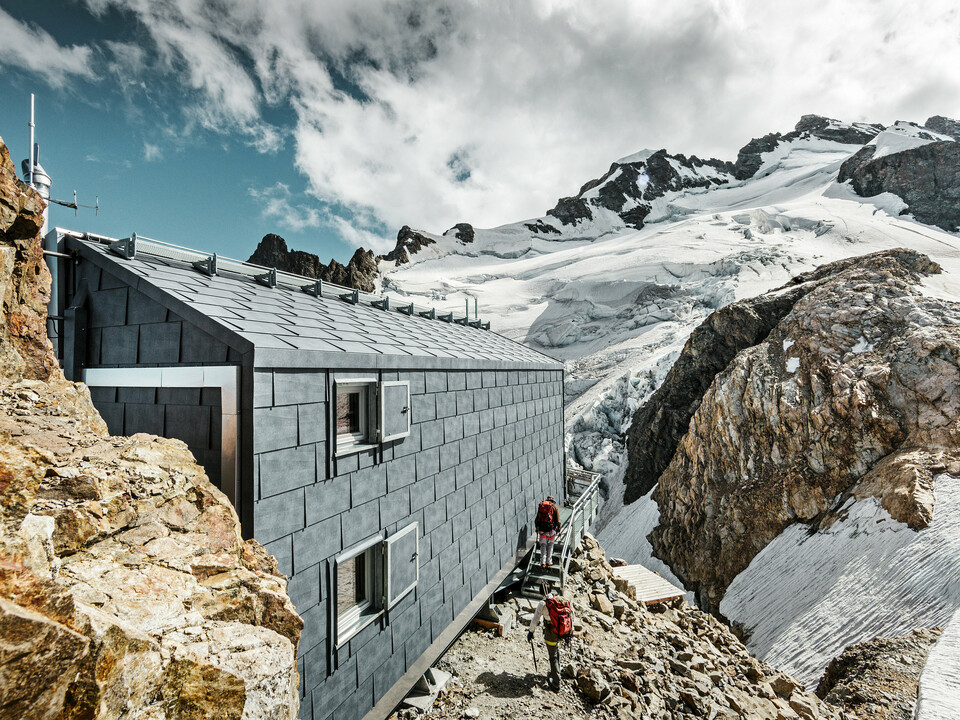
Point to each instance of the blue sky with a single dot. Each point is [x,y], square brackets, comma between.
[333,123]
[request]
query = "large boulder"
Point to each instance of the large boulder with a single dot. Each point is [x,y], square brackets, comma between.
[126,589]
[855,389]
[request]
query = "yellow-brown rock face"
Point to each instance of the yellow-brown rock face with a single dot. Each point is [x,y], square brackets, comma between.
[126,590]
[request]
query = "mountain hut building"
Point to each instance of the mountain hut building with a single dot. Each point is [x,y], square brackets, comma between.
[388,457]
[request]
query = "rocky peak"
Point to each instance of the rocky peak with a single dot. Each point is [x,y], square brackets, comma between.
[272,252]
[360,272]
[462,232]
[749,158]
[409,242]
[629,188]
[832,389]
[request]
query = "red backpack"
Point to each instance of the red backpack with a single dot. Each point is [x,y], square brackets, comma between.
[544,521]
[560,617]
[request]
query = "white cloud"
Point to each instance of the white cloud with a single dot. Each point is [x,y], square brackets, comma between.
[152,152]
[355,235]
[204,50]
[34,49]
[430,113]
[277,204]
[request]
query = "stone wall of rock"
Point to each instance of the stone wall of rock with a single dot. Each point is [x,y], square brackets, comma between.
[855,390]
[126,589]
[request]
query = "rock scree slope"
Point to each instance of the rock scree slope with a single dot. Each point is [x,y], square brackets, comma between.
[624,661]
[879,679]
[126,590]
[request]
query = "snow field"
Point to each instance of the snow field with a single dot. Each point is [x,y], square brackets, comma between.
[804,598]
[939,693]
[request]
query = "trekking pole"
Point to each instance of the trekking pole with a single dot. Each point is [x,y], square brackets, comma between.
[533,649]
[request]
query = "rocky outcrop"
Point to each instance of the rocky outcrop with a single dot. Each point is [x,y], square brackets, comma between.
[926,178]
[750,159]
[854,390]
[409,242]
[361,272]
[541,228]
[625,660]
[629,188]
[126,589]
[462,232]
[878,679]
[272,252]
[944,126]
[24,281]
[660,423]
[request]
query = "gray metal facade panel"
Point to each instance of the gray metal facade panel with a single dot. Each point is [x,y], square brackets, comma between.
[286,318]
[473,493]
[130,327]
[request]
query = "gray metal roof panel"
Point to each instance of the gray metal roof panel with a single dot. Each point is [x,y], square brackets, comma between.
[285,318]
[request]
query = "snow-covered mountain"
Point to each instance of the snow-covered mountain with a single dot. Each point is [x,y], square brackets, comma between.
[614,279]
[617,303]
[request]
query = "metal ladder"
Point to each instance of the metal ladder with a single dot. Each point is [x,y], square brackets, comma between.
[577,514]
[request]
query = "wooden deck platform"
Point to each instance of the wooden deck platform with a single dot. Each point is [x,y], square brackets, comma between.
[651,588]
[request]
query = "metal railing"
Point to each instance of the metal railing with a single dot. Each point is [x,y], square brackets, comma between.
[214,264]
[585,487]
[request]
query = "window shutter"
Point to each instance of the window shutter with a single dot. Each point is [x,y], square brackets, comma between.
[394,410]
[403,563]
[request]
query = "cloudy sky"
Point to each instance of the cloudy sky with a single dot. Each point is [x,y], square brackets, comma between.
[334,122]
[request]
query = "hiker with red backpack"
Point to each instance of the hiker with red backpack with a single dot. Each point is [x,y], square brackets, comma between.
[559,627]
[547,526]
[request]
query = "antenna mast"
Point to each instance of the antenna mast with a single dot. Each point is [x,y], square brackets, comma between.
[30,178]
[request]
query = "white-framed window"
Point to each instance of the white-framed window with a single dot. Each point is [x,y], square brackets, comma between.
[368,412]
[372,577]
[355,405]
[359,589]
